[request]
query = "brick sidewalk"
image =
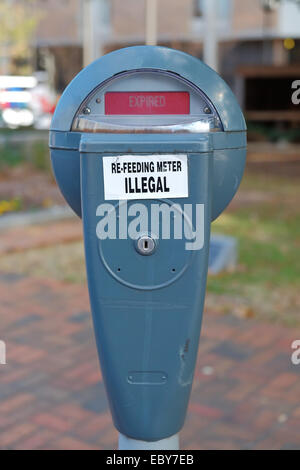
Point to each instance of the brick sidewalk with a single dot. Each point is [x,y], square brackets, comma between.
[245,394]
[18,239]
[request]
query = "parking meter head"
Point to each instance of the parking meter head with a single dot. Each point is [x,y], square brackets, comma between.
[118,94]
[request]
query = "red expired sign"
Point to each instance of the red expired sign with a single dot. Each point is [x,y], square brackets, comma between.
[148,102]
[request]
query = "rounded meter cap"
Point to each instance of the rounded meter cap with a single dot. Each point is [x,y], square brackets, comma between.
[149,57]
[72,116]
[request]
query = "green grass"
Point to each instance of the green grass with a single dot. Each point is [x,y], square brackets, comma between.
[268,249]
[11,156]
[35,153]
[267,278]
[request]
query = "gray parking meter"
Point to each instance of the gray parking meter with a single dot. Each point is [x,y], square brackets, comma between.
[148,146]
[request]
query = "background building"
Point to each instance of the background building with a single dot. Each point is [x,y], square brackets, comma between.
[256,43]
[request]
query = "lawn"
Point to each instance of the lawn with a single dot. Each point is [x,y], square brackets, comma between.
[26,180]
[265,219]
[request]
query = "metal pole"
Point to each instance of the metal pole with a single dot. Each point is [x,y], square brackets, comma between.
[151,22]
[170,443]
[210,39]
[92,30]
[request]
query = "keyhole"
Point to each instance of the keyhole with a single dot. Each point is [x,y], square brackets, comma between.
[145,245]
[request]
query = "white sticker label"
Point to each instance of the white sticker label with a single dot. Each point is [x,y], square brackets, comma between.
[145,177]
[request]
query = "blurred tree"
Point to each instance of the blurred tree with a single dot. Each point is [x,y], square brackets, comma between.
[18,20]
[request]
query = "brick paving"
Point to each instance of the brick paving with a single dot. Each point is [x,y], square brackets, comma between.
[18,239]
[245,394]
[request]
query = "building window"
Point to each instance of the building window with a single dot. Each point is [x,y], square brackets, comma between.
[223,8]
[198,8]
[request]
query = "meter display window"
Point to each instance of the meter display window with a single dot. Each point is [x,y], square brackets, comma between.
[147,102]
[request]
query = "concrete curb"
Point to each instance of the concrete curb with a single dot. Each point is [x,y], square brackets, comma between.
[40,216]
[223,254]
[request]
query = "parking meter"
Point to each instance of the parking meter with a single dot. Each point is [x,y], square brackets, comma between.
[148,146]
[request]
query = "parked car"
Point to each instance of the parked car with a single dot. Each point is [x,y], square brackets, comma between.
[25,102]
